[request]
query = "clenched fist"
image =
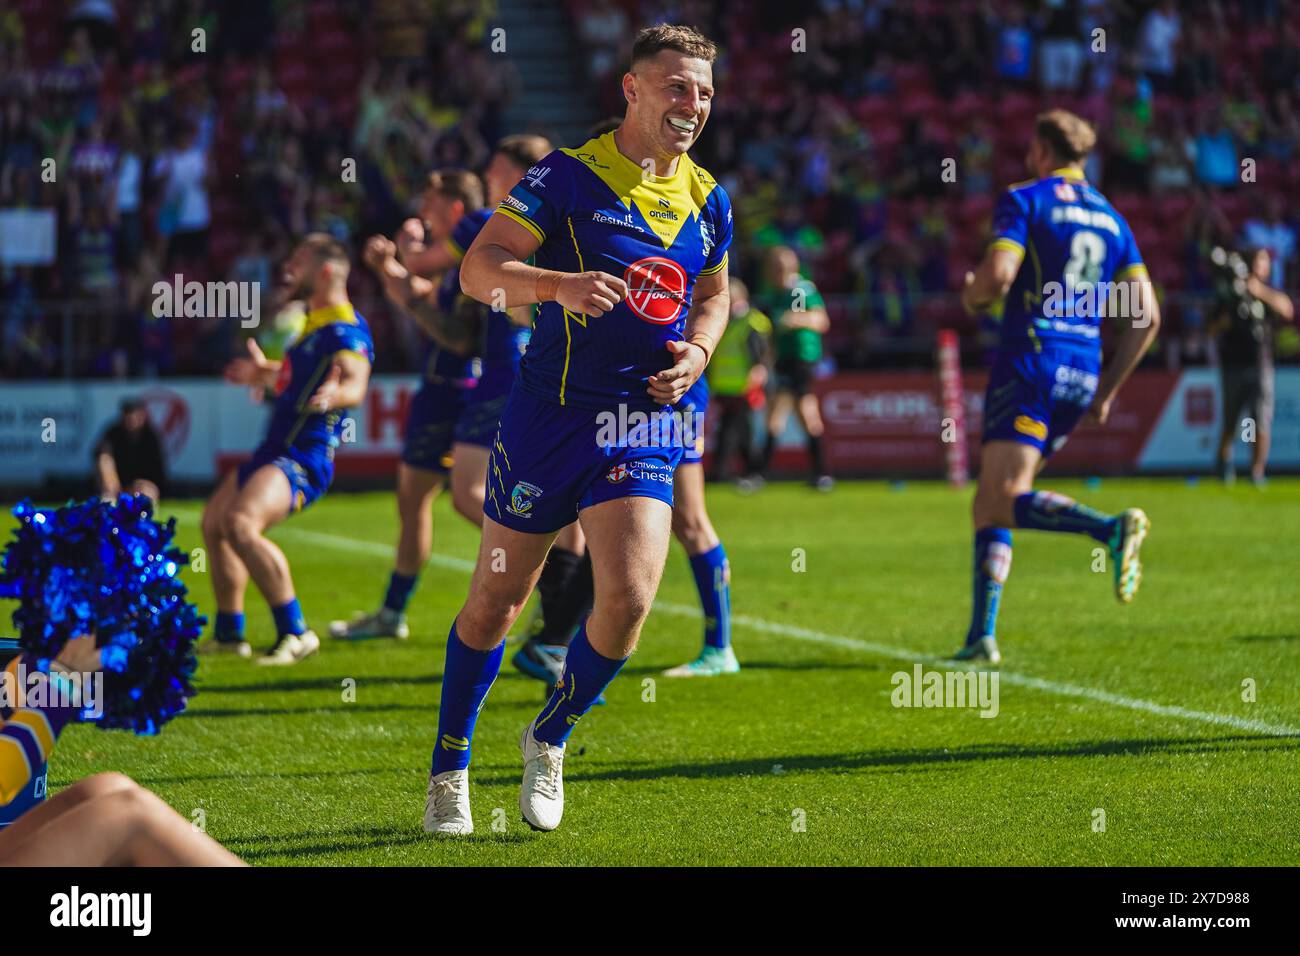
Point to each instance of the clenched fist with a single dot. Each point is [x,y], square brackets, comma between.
[590,293]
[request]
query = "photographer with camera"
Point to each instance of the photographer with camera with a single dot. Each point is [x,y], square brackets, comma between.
[1245,308]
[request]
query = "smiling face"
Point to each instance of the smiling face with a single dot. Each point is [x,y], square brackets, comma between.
[669,96]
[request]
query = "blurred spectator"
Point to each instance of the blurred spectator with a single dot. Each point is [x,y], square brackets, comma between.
[830,150]
[1268,230]
[1158,44]
[1061,55]
[1015,44]
[1247,310]
[1216,151]
[184,217]
[129,456]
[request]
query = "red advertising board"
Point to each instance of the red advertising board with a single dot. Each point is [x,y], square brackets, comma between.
[891,423]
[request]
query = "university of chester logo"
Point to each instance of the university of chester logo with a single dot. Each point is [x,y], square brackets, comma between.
[656,289]
[617,474]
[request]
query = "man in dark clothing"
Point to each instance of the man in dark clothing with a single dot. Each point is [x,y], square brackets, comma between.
[128,456]
[1247,306]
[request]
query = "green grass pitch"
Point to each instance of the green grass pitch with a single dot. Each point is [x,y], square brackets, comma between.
[1136,711]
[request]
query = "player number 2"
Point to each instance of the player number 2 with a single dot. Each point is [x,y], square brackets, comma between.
[1087,250]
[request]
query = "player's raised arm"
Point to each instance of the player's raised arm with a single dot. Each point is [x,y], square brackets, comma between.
[494,272]
[417,297]
[401,285]
[705,324]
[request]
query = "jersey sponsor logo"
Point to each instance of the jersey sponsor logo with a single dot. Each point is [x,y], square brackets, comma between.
[656,289]
[605,220]
[666,213]
[521,499]
[535,175]
[641,471]
[706,237]
[1031,427]
[1065,192]
[591,160]
[522,201]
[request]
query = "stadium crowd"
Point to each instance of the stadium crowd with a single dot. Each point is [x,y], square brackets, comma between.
[204,154]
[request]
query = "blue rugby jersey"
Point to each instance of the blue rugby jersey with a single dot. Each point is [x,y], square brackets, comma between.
[593,210]
[1069,234]
[503,341]
[326,332]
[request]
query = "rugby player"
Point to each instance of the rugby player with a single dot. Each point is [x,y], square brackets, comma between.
[471,362]
[323,374]
[1062,258]
[630,240]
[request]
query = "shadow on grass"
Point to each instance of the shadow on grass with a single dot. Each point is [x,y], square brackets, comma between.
[1268,637]
[339,708]
[916,758]
[299,845]
[229,776]
[315,683]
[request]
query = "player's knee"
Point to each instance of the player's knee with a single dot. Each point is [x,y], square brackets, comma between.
[213,524]
[242,528]
[468,502]
[993,506]
[693,530]
[481,624]
[625,610]
[101,785]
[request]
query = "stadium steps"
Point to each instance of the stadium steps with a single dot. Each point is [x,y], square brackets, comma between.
[554,91]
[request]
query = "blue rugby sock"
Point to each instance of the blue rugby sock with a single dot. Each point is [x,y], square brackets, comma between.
[229,626]
[1048,511]
[992,564]
[467,677]
[400,587]
[712,580]
[586,675]
[288,618]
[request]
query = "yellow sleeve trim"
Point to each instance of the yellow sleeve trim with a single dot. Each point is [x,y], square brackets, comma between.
[1008,244]
[1137,270]
[523,221]
[39,725]
[456,251]
[15,771]
[714,270]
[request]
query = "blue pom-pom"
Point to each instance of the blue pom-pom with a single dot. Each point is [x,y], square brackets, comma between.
[110,569]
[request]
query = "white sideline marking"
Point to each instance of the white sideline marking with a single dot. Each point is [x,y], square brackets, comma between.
[1007,677]
[834,640]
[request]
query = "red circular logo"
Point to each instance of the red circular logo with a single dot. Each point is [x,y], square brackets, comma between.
[656,289]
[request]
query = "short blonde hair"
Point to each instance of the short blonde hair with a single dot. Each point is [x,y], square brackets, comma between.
[672,36]
[1069,136]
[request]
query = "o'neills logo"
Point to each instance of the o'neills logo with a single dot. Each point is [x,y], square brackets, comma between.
[656,289]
